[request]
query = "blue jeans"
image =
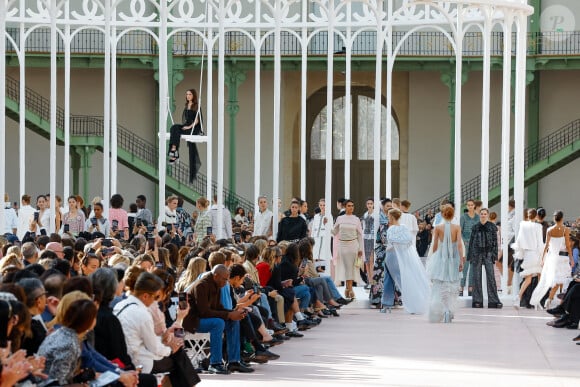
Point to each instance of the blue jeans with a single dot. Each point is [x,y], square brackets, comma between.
[264,304]
[216,327]
[303,295]
[332,288]
[392,277]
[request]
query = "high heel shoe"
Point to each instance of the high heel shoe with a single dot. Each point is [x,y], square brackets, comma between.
[173,156]
[386,309]
[447,317]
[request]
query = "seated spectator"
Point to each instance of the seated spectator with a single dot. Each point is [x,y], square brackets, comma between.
[29,253]
[53,285]
[195,268]
[62,348]
[15,367]
[144,347]
[207,315]
[35,302]
[145,262]
[568,312]
[90,358]
[55,247]
[90,263]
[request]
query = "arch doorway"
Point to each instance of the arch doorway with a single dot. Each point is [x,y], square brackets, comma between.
[361,165]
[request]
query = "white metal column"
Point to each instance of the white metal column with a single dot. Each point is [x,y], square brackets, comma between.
[221,118]
[276,144]
[67,87]
[485,108]
[22,102]
[163,108]
[458,107]
[257,112]
[520,117]
[114,136]
[347,106]
[107,111]
[303,97]
[53,105]
[329,104]
[377,115]
[209,109]
[505,138]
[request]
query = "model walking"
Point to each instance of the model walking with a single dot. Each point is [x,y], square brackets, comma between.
[348,247]
[483,251]
[557,261]
[444,268]
[528,247]
[414,284]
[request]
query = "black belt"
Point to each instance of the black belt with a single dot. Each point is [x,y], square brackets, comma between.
[563,253]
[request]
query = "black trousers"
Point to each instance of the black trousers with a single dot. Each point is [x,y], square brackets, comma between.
[175,135]
[485,261]
[181,371]
[571,302]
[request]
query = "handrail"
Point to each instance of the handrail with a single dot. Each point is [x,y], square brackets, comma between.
[93,126]
[419,43]
[540,150]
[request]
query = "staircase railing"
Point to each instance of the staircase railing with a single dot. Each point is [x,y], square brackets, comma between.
[87,126]
[540,150]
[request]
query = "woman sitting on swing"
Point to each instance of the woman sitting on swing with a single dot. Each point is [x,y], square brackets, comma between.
[191,120]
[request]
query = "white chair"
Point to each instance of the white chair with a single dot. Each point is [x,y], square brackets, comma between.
[195,347]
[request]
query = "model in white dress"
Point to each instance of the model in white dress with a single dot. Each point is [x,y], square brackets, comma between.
[557,261]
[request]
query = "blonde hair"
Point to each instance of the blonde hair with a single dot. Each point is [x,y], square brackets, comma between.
[119,259]
[46,262]
[195,267]
[10,260]
[395,213]
[283,246]
[261,244]
[64,304]
[14,250]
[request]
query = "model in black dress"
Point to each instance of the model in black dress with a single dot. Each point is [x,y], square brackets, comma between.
[191,125]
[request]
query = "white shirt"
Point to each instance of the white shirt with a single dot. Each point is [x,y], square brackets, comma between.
[10,219]
[167,217]
[226,230]
[322,234]
[530,237]
[103,223]
[511,230]
[263,222]
[25,216]
[142,344]
[410,222]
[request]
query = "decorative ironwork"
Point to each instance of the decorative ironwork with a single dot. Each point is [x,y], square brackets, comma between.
[93,126]
[541,150]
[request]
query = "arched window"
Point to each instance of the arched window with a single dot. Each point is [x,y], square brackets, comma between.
[362,134]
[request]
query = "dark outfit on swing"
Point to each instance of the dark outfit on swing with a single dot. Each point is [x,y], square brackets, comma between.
[176,131]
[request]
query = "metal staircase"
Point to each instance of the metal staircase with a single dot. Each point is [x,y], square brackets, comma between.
[542,158]
[133,151]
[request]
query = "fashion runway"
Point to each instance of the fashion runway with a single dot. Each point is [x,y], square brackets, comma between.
[482,347]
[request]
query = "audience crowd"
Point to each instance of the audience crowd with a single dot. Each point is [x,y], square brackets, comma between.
[87,295]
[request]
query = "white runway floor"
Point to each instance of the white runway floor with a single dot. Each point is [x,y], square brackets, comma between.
[363,347]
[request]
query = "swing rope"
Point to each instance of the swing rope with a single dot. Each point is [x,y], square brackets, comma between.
[198,113]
